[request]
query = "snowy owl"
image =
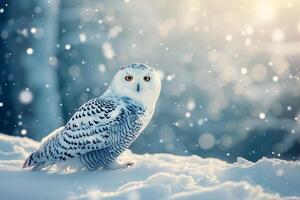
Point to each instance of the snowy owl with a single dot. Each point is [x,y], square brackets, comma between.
[103,127]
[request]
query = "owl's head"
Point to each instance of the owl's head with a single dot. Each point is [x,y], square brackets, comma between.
[139,82]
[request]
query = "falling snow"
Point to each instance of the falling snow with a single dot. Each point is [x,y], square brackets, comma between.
[29,51]
[67,46]
[25,96]
[108,51]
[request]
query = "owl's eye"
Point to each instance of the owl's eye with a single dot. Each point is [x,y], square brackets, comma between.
[128,78]
[147,78]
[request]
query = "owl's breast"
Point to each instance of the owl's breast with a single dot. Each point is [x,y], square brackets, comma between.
[133,120]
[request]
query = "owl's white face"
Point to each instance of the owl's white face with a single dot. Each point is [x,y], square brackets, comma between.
[139,82]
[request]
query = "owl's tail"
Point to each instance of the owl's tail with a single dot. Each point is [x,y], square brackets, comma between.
[34,160]
[29,161]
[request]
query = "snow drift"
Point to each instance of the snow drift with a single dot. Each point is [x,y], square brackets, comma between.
[157,176]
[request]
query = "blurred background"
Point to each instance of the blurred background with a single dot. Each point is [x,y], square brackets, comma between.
[230,70]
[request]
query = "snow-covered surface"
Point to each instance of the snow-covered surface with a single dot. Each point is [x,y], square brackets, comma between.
[158,176]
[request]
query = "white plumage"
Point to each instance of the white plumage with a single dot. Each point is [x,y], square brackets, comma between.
[103,127]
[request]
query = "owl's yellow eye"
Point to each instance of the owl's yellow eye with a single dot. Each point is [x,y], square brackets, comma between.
[128,78]
[147,78]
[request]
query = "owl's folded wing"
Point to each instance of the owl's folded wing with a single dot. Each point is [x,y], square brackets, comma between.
[90,127]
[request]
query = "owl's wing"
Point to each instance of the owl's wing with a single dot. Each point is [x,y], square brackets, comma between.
[89,128]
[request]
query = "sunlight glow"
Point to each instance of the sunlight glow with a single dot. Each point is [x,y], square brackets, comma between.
[265,11]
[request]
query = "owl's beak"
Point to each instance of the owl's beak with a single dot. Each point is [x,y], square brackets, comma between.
[138,87]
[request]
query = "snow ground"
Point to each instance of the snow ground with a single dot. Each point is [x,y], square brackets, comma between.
[157,176]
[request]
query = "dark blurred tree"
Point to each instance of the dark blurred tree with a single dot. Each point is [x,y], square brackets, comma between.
[6,118]
[79,54]
[30,29]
